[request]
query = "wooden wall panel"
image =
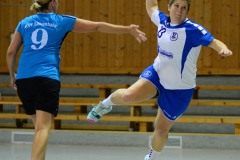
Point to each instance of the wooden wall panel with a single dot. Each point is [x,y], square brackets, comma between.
[11,12]
[234,33]
[103,38]
[111,58]
[77,37]
[87,38]
[129,46]
[101,53]
[206,19]
[120,45]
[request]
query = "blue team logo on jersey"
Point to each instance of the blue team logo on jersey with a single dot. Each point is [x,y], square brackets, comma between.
[165,53]
[147,74]
[161,31]
[174,36]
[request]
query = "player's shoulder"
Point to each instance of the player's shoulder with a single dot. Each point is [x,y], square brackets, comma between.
[66,16]
[191,25]
[28,18]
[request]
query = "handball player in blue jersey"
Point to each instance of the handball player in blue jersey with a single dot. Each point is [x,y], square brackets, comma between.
[172,76]
[37,80]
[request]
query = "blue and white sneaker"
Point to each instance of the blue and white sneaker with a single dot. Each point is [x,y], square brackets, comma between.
[95,114]
[146,157]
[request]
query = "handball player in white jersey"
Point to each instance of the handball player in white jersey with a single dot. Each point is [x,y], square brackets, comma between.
[172,76]
[38,80]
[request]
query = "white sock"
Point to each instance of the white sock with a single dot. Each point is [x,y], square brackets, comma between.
[153,155]
[107,102]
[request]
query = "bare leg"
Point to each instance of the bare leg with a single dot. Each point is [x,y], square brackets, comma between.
[140,91]
[33,117]
[42,122]
[160,134]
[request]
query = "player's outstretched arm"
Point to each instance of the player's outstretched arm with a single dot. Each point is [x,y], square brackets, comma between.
[220,47]
[85,26]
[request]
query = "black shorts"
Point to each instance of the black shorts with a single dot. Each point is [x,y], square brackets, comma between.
[39,93]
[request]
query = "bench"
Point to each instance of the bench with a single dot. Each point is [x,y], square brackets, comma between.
[138,121]
[104,90]
[144,121]
[214,87]
[135,117]
[80,103]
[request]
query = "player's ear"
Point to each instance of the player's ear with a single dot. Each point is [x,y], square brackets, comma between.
[169,7]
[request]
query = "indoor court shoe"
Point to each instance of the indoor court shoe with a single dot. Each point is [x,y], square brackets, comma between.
[146,157]
[95,114]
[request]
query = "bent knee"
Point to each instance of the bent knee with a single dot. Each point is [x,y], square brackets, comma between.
[129,97]
[161,130]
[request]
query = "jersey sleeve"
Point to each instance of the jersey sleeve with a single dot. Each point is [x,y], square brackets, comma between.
[20,27]
[68,22]
[206,39]
[199,35]
[158,17]
[155,17]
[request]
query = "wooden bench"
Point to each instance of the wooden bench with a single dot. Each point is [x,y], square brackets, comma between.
[80,107]
[138,120]
[2,84]
[144,121]
[214,87]
[104,90]
[80,103]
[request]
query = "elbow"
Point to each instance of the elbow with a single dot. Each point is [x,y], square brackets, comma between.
[10,54]
[99,27]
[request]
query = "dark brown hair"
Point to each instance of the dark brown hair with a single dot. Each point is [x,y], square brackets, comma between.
[172,1]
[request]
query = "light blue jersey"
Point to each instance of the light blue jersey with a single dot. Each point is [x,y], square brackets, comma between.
[43,35]
[178,50]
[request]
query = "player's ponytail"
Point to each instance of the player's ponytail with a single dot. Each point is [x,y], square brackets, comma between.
[40,5]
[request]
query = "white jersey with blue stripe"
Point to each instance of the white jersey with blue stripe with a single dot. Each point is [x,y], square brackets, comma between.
[178,50]
[43,35]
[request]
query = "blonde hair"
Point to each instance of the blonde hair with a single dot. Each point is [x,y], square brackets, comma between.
[172,1]
[39,5]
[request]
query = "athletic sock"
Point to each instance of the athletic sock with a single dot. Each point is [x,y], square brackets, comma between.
[107,102]
[153,155]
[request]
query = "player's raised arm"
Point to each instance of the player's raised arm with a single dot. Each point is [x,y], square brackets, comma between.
[151,5]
